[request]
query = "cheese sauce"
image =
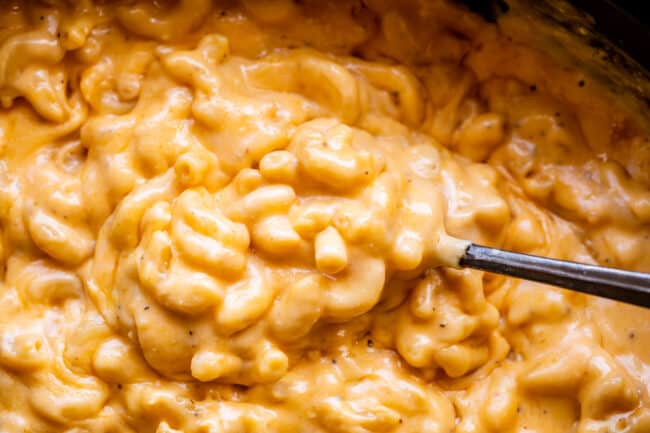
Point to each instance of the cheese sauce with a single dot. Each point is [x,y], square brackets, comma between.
[239,216]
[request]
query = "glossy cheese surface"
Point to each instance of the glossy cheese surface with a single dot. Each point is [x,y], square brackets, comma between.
[239,216]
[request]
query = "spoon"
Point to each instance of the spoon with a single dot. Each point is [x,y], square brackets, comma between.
[616,284]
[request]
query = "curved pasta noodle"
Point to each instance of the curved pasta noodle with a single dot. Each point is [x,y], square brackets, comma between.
[404,87]
[120,156]
[56,222]
[143,19]
[303,71]
[42,87]
[334,155]
[350,400]
[112,87]
[437,328]
[603,387]
[356,290]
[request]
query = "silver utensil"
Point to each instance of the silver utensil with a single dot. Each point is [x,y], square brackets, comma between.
[616,284]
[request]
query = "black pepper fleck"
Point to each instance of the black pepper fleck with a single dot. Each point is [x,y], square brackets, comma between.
[533,88]
[119,386]
[146,307]
[191,332]
[370,343]
[631,335]
[395,96]
[581,83]
[442,325]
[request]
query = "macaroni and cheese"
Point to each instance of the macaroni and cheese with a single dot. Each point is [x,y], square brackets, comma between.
[243,217]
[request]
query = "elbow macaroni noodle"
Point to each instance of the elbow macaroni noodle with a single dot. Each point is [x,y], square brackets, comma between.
[238,217]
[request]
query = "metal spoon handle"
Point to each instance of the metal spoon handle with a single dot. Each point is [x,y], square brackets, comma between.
[617,284]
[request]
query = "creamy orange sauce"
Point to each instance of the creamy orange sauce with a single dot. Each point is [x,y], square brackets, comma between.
[241,217]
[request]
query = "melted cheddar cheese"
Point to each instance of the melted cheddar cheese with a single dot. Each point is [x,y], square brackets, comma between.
[243,217]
